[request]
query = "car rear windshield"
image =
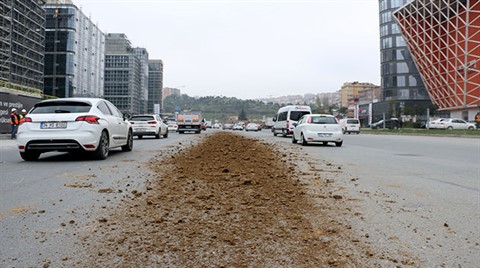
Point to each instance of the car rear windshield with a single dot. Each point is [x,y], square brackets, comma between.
[352,121]
[61,107]
[295,115]
[142,118]
[323,120]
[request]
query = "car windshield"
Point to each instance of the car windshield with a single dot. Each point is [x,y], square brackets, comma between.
[61,107]
[295,115]
[142,118]
[323,120]
[352,121]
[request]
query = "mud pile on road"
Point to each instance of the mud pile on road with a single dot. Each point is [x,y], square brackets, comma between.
[229,201]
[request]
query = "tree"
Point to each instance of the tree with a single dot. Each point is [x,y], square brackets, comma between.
[243,115]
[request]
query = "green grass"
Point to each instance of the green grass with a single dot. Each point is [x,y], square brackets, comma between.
[419,131]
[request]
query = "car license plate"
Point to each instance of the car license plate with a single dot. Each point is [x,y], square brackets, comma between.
[53,125]
[324,134]
[188,127]
[352,125]
[140,129]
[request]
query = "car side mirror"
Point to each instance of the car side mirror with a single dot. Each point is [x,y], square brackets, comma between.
[295,124]
[274,119]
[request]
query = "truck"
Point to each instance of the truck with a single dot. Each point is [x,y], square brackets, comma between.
[191,121]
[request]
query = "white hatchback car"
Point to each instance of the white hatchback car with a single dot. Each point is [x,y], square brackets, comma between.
[73,125]
[451,123]
[148,125]
[318,128]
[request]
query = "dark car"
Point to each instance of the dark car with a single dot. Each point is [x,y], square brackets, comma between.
[391,123]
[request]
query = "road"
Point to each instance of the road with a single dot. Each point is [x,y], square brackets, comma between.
[420,193]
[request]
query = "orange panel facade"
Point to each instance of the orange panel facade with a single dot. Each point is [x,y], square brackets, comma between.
[444,38]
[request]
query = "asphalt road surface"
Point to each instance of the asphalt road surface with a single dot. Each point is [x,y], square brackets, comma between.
[420,193]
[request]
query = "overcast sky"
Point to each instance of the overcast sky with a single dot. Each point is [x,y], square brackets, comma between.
[250,48]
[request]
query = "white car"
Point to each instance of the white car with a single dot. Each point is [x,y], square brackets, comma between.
[172,126]
[350,125]
[148,125]
[73,125]
[451,123]
[253,127]
[318,128]
[238,126]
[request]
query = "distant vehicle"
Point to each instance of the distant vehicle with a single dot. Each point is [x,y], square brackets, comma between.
[269,122]
[451,123]
[253,127]
[216,126]
[391,123]
[238,126]
[172,126]
[350,125]
[322,128]
[189,122]
[286,117]
[73,125]
[227,126]
[148,125]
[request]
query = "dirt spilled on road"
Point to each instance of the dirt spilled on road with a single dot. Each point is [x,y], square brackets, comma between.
[229,201]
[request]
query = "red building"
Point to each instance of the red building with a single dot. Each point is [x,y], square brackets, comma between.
[444,39]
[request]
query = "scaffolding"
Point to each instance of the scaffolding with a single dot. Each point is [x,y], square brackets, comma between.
[22,31]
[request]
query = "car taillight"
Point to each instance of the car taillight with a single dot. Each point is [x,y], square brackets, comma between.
[91,119]
[152,122]
[132,122]
[25,120]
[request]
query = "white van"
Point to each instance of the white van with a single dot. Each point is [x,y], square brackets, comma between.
[350,125]
[285,118]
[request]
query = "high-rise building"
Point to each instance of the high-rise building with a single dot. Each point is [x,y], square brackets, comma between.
[74,52]
[123,74]
[22,31]
[142,55]
[444,37]
[155,86]
[168,91]
[350,90]
[401,82]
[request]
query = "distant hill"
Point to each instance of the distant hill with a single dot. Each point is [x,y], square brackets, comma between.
[220,108]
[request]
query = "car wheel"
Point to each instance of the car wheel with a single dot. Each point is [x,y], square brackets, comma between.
[339,143]
[129,146]
[450,128]
[102,151]
[325,143]
[343,131]
[140,136]
[303,140]
[284,133]
[166,134]
[274,133]
[180,132]
[29,155]
[293,139]
[157,136]
[470,128]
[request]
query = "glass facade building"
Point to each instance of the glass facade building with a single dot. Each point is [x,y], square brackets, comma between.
[155,85]
[22,42]
[74,53]
[142,55]
[400,77]
[123,74]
